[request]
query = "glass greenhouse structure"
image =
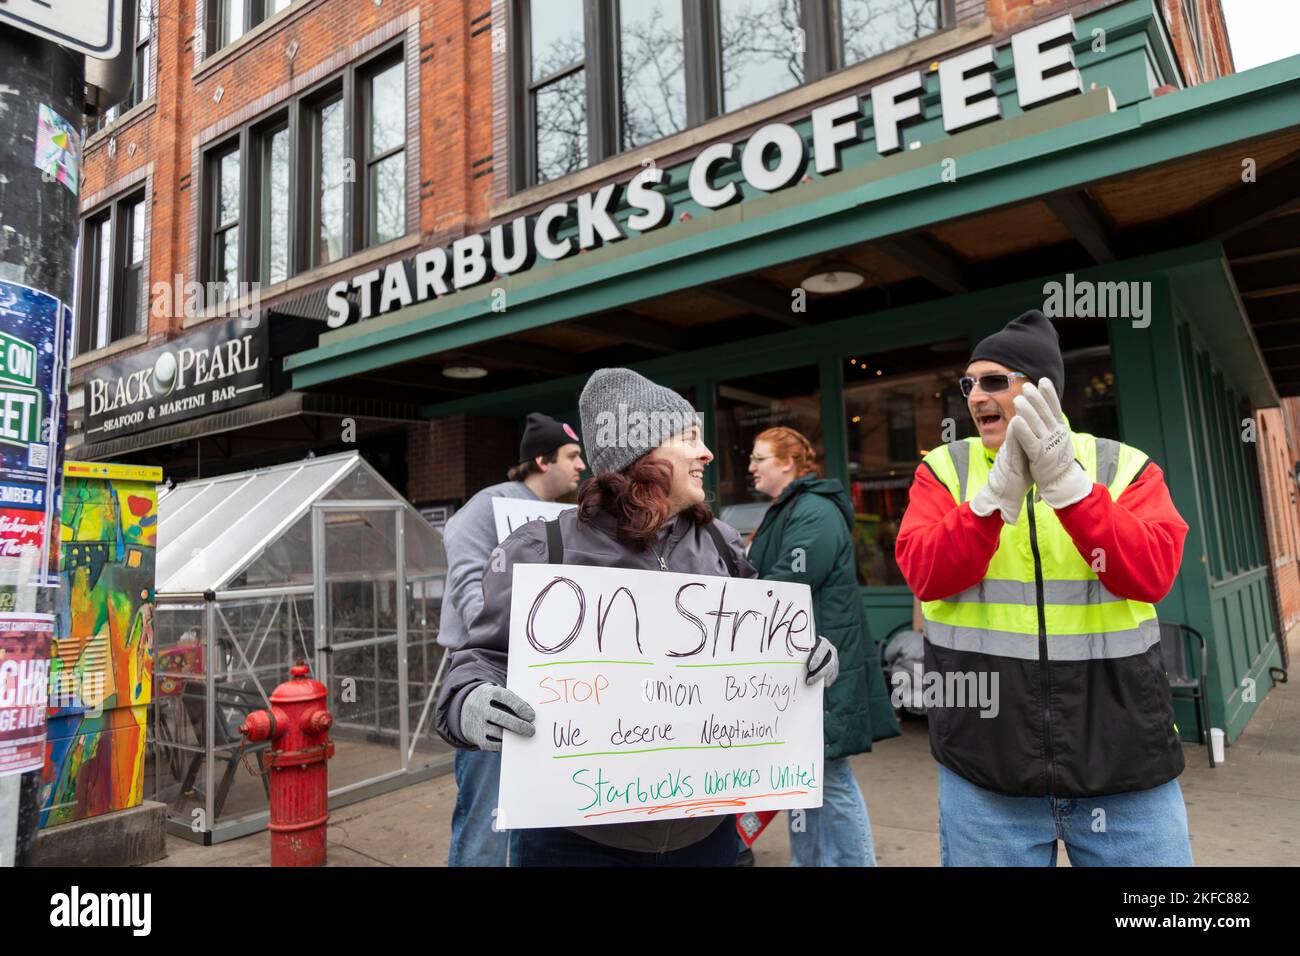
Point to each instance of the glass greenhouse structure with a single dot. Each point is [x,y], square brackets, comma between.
[320,560]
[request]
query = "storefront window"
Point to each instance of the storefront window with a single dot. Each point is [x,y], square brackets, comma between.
[747,406]
[895,407]
[899,405]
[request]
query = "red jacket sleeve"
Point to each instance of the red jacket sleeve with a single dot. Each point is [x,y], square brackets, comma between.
[1140,536]
[943,548]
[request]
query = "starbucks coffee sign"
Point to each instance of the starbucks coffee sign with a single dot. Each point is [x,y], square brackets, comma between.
[775,157]
[216,369]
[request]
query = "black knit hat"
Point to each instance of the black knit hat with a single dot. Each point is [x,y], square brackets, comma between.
[1027,344]
[543,435]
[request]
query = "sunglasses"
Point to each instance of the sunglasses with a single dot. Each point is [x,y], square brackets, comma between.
[990,383]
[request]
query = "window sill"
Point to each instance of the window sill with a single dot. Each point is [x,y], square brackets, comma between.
[112,348]
[339,268]
[854,78]
[119,125]
[232,51]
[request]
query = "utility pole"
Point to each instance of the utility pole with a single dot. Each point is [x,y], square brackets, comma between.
[38,234]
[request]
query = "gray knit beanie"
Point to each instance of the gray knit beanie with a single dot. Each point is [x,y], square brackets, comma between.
[625,415]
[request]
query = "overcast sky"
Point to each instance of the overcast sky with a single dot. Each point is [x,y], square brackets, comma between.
[1262,31]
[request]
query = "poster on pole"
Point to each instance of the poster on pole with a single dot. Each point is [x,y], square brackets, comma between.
[511,513]
[25,642]
[33,418]
[658,696]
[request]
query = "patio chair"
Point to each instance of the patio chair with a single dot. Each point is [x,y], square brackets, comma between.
[224,731]
[1173,651]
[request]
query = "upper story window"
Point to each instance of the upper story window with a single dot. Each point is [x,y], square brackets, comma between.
[557,87]
[225,221]
[228,20]
[320,178]
[868,28]
[110,294]
[1192,17]
[384,104]
[596,77]
[142,68]
[762,48]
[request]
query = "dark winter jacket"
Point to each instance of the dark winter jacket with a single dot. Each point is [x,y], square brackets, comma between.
[687,548]
[807,537]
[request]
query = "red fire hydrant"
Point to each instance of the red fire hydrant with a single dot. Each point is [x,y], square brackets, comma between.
[298,727]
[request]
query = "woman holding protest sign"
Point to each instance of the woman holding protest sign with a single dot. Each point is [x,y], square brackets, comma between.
[644,510]
[807,537]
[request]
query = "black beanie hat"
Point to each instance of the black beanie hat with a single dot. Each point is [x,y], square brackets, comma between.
[543,435]
[1027,344]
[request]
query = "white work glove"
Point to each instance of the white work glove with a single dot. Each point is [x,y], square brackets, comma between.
[1046,438]
[490,709]
[823,662]
[1008,482]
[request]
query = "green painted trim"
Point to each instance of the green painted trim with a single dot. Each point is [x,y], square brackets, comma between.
[1239,711]
[976,314]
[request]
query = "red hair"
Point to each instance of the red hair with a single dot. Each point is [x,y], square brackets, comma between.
[788,443]
[638,499]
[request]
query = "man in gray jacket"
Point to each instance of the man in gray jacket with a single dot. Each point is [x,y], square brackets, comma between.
[549,469]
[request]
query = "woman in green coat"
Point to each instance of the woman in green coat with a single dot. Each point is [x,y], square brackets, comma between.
[807,537]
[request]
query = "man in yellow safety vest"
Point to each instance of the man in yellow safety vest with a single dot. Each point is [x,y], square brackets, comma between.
[1038,554]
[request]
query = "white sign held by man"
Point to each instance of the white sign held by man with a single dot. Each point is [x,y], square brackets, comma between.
[511,513]
[658,696]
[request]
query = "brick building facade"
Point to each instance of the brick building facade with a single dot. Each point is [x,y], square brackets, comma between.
[1279,465]
[457,177]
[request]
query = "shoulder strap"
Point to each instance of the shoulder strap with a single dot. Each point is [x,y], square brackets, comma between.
[554,543]
[730,559]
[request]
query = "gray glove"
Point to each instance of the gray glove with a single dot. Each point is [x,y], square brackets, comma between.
[1049,445]
[1008,482]
[823,662]
[490,709]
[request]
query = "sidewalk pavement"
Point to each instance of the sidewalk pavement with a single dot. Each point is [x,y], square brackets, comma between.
[1244,813]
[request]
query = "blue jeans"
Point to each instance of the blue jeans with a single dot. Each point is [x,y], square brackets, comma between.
[560,847]
[978,827]
[474,841]
[839,832]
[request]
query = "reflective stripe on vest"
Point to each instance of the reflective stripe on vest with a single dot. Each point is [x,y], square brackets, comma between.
[990,591]
[999,615]
[1060,647]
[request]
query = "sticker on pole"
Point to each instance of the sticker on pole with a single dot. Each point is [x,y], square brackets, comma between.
[92,27]
[58,149]
[658,696]
[25,642]
[33,418]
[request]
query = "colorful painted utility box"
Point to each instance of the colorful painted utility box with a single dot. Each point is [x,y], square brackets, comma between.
[101,673]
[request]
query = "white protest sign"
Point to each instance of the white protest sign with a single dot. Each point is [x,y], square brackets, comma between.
[510,513]
[658,696]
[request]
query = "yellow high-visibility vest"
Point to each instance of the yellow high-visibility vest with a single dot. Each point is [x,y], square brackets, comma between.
[1082,620]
